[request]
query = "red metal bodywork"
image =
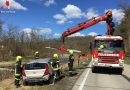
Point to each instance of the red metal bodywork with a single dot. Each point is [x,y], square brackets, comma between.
[87,24]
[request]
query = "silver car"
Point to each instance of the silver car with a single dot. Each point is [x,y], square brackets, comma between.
[37,70]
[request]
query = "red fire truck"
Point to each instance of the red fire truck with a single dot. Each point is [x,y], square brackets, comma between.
[108,51]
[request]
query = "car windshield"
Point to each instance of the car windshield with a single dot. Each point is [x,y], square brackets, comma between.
[109,44]
[34,66]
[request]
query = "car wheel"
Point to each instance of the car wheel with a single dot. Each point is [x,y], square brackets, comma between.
[41,83]
[50,81]
[25,83]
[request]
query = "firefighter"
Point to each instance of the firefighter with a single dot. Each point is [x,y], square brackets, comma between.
[55,66]
[101,47]
[37,55]
[56,58]
[18,71]
[71,60]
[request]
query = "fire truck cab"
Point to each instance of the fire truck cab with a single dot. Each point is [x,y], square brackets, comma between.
[108,52]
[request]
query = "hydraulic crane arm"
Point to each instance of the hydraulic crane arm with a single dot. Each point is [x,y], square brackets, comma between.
[89,23]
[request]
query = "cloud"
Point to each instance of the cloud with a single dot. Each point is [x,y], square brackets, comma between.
[91,13]
[57,35]
[69,12]
[72,11]
[42,31]
[70,21]
[49,2]
[118,15]
[103,22]
[92,34]
[27,30]
[39,31]
[13,5]
[60,18]
[78,34]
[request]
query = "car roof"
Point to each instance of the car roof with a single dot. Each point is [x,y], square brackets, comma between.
[45,60]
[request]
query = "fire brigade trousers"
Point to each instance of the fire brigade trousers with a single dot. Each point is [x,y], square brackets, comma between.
[70,65]
[17,80]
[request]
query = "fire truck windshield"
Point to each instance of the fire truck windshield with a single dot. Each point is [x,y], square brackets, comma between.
[115,45]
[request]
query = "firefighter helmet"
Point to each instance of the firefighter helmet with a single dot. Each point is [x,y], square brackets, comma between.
[36,52]
[55,55]
[18,58]
[71,51]
[101,46]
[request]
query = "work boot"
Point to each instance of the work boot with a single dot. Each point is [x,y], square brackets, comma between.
[17,86]
[70,73]
[52,83]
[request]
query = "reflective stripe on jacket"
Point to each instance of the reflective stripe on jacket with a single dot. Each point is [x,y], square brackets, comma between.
[55,64]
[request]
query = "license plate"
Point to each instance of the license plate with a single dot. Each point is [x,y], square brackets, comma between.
[107,65]
[34,72]
[102,64]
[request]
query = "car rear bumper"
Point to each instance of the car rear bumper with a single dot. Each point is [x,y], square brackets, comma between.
[36,79]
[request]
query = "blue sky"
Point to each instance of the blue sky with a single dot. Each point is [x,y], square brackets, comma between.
[55,16]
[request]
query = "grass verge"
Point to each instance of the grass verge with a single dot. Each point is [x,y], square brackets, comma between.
[66,83]
[127,60]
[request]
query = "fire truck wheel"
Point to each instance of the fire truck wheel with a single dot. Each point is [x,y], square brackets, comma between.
[120,71]
[94,70]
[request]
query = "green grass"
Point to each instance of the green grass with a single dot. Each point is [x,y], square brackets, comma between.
[87,60]
[127,60]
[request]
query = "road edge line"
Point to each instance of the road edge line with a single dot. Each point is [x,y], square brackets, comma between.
[85,78]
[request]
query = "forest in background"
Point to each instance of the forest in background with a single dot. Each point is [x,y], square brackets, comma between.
[124,28]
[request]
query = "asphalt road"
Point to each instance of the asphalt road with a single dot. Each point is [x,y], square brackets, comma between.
[104,80]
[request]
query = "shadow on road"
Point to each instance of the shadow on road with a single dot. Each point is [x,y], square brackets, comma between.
[107,71]
[126,77]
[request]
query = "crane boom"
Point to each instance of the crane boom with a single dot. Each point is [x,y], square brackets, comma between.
[89,23]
